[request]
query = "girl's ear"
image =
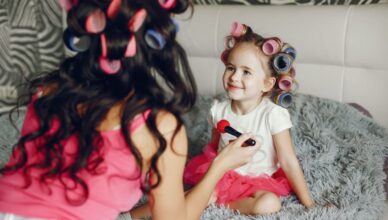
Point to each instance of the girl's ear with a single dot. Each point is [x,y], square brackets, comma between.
[269,83]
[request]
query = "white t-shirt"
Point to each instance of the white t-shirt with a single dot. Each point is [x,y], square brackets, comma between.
[265,120]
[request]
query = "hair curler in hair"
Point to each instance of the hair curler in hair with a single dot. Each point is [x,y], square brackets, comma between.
[109,67]
[176,25]
[67,4]
[229,42]
[131,47]
[167,4]
[288,49]
[282,62]
[154,39]
[224,56]
[238,29]
[95,22]
[224,126]
[137,20]
[271,46]
[285,82]
[74,43]
[283,99]
[113,8]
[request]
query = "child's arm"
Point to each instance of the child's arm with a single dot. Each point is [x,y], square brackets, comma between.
[290,165]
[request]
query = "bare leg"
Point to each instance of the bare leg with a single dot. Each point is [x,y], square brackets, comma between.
[141,212]
[263,202]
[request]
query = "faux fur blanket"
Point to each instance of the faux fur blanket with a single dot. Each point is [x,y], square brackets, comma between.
[341,151]
[342,154]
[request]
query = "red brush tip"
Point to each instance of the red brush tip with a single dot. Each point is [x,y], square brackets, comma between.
[221,125]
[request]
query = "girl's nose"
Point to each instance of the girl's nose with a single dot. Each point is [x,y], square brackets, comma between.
[235,77]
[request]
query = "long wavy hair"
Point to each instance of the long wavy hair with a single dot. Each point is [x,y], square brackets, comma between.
[83,94]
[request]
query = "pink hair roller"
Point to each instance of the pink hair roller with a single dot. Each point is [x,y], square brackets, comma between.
[285,83]
[110,67]
[104,48]
[167,4]
[137,20]
[131,47]
[95,22]
[229,42]
[224,56]
[113,8]
[238,29]
[67,4]
[271,46]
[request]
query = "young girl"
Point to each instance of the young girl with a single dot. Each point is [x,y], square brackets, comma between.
[256,69]
[102,129]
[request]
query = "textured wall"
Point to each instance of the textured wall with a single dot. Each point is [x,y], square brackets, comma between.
[30,43]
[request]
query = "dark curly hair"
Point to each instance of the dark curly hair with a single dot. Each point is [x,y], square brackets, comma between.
[81,93]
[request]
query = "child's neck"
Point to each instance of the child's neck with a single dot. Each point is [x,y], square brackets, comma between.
[244,107]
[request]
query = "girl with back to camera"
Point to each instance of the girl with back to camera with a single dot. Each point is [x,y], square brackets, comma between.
[257,69]
[102,129]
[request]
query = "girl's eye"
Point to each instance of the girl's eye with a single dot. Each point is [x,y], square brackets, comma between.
[247,72]
[229,68]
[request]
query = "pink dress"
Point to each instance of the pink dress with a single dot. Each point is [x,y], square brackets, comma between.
[116,190]
[234,186]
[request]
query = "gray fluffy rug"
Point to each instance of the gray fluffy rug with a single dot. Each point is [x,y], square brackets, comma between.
[341,151]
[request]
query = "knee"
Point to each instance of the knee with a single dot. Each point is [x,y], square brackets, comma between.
[267,203]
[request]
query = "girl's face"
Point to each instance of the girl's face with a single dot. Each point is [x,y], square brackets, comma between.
[244,77]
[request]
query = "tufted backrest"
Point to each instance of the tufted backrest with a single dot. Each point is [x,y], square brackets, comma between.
[342,50]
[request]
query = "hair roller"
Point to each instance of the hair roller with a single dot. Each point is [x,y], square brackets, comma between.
[167,4]
[288,49]
[176,25]
[95,22]
[154,39]
[271,46]
[285,82]
[282,63]
[224,56]
[137,20]
[238,29]
[131,47]
[113,8]
[283,99]
[229,42]
[67,4]
[74,43]
[110,67]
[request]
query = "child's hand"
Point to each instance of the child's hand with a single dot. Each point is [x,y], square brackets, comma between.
[234,155]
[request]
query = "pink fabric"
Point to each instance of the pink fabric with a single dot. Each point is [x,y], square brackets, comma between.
[234,186]
[117,189]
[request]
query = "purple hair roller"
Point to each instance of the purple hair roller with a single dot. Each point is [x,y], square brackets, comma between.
[154,39]
[282,63]
[176,25]
[289,50]
[77,44]
[284,99]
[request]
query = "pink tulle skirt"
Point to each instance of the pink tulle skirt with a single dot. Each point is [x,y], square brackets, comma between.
[234,186]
